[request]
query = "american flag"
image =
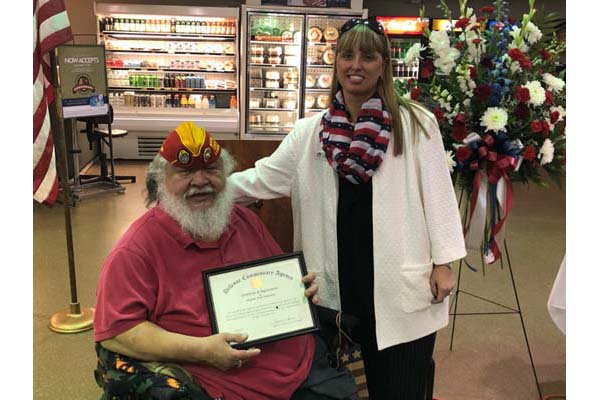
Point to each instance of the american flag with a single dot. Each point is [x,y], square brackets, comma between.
[51,28]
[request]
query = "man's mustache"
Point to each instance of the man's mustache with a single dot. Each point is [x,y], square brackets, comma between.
[195,190]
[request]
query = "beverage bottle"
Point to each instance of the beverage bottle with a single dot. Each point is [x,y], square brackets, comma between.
[184,102]
[233,102]
[191,101]
[176,101]
[205,104]
[212,102]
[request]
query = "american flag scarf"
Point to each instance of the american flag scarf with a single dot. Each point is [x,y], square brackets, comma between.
[51,28]
[355,151]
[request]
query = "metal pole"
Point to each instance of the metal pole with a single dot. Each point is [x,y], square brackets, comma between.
[72,320]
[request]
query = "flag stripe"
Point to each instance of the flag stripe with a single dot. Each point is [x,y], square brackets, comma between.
[51,28]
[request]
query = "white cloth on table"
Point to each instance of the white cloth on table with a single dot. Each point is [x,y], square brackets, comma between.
[557,301]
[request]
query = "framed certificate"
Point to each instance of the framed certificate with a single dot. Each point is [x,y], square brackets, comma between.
[262,298]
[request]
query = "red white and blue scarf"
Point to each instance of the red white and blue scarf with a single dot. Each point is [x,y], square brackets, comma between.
[356,150]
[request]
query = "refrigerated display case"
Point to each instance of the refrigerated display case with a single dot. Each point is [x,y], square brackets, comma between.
[403,33]
[166,65]
[283,53]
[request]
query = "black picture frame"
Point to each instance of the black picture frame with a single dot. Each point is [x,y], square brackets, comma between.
[246,269]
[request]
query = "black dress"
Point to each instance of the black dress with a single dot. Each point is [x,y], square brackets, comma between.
[404,371]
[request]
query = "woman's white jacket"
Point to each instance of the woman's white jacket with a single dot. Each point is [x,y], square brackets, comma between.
[416,221]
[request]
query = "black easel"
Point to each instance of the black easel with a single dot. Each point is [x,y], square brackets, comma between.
[511,310]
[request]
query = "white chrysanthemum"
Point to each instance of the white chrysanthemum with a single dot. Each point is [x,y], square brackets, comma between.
[413,53]
[439,41]
[537,93]
[554,84]
[533,33]
[494,119]
[546,154]
[450,160]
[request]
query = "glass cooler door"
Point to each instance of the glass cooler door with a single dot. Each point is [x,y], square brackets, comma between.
[273,73]
[322,32]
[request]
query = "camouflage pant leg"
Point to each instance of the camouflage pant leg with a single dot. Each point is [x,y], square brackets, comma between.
[124,378]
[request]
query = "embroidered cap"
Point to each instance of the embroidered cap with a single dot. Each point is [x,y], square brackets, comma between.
[190,147]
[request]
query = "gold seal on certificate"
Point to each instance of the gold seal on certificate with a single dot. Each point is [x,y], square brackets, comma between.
[262,298]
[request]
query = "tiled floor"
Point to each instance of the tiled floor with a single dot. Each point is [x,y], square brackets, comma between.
[489,359]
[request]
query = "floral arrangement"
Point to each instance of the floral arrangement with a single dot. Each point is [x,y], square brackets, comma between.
[494,87]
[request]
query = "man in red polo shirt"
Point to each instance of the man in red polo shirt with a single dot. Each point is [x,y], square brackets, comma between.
[151,306]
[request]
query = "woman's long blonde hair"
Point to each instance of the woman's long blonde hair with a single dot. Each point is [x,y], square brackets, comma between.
[363,38]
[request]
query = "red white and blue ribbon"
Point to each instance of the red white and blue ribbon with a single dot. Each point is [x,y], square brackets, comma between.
[495,157]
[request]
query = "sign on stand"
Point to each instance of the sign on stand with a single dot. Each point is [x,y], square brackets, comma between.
[82,80]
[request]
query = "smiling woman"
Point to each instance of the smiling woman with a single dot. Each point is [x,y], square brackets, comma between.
[379,227]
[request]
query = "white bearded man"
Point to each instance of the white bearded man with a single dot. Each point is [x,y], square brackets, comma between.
[152,326]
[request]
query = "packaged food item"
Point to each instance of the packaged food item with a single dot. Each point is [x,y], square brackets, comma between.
[254,102]
[273,119]
[310,81]
[257,59]
[315,34]
[274,60]
[272,103]
[287,36]
[323,101]
[331,34]
[289,104]
[328,57]
[325,81]
[309,101]
[273,74]
[274,51]
[272,84]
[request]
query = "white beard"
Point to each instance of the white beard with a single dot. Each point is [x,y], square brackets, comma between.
[207,224]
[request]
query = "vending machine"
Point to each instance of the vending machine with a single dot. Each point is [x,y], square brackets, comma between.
[403,32]
[287,58]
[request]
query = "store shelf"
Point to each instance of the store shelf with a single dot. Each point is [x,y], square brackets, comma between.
[206,71]
[322,44]
[172,53]
[327,90]
[174,90]
[319,66]
[270,127]
[274,65]
[273,89]
[274,42]
[315,110]
[274,109]
[168,36]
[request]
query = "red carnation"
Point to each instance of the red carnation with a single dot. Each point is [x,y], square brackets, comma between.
[462,23]
[554,116]
[463,153]
[529,153]
[511,20]
[545,128]
[549,98]
[415,93]
[476,41]
[522,111]
[522,94]
[410,81]
[486,10]
[536,126]
[483,91]
[516,55]
[459,128]
[525,64]
[427,69]
[459,45]
[439,114]
[545,54]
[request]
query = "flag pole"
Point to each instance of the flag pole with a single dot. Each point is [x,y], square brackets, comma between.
[74,319]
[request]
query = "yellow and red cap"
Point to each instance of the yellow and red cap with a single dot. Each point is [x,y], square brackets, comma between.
[190,147]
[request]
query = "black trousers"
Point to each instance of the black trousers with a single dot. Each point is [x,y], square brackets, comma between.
[401,372]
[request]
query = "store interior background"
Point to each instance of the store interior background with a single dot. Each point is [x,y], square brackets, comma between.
[489,359]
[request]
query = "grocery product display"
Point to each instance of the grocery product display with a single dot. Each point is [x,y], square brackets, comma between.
[170,61]
[287,65]
[273,72]
[322,35]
